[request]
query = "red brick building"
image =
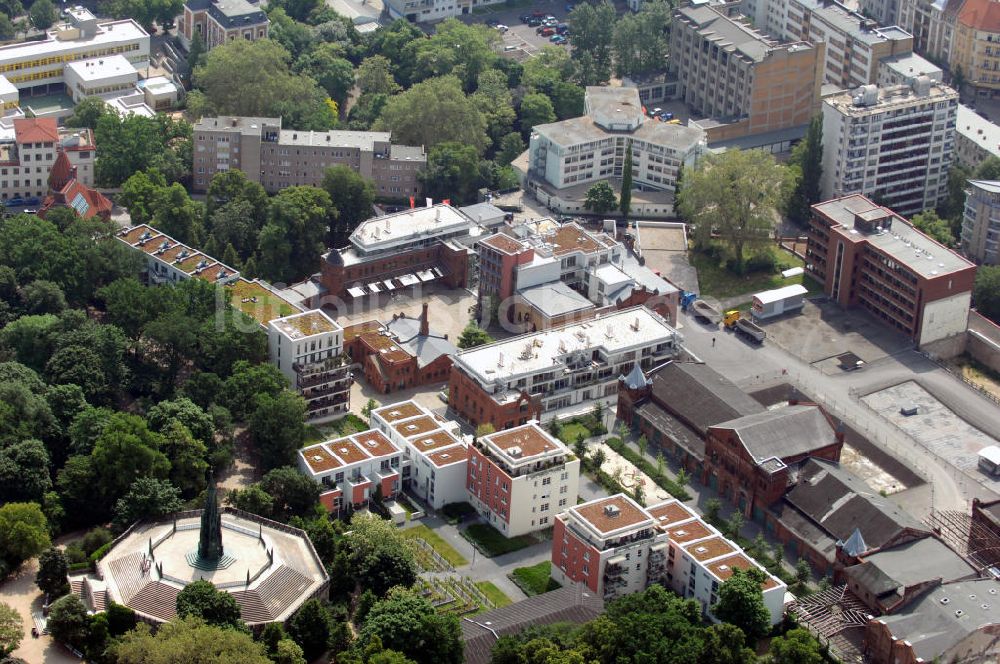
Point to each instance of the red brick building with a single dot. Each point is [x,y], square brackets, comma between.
[868,256]
[65,190]
[748,460]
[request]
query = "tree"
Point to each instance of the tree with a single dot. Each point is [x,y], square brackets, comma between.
[7,30]
[375,76]
[216,607]
[87,113]
[141,194]
[135,143]
[52,571]
[276,428]
[125,451]
[24,471]
[252,499]
[288,652]
[292,241]
[639,41]
[734,195]
[713,508]
[366,410]
[11,629]
[741,603]
[379,557]
[593,28]
[796,646]
[333,73]
[600,198]
[183,411]
[726,644]
[188,640]
[43,14]
[178,215]
[187,457]
[409,624]
[473,336]
[807,158]
[432,112]
[536,109]
[147,498]
[986,291]
[353,196]
[930,223]
[310,627]
[68,621]
[625,199]
[292,492]
[511,147]
[42,297]
[803,573]
[452,172]
[494,100]
[25,532]
[247,381]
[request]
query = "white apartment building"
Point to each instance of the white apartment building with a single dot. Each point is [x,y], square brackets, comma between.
[41,64]
[614,547]
[436,458]
[521,478]
[421,11]
[981,222]
[895,144]
[308,349]
[353,468]
[976,138]
[932,24]
[27,156]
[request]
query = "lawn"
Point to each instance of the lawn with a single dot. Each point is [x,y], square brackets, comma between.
[569,432]
[457,512]
[345,426]
[491,541]
[535,580]
[445,550]
[493,593]
[718,282]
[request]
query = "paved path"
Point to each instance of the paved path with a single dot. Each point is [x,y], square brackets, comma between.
[22,594]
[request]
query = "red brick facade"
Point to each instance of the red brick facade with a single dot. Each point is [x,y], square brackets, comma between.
[488,483]
[568,554]
[473,404]
[387,366]
[337,278]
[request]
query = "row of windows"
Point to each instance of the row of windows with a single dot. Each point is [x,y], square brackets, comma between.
[68,57]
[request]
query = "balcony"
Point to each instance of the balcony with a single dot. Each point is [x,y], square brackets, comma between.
[341,399]
[325,391]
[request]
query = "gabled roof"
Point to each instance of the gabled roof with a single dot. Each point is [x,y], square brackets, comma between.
[783,432]
[983,15]
[699,395]
[855,544]
[908,565]
[425,348]
[36,130]
[839,502]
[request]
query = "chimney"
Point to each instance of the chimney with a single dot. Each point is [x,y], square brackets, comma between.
[424,326]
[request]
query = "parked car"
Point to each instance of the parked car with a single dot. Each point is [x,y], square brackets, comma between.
[17,201]
[666,116]
[502,28]
[524,18]
[656,111]
[545,31]
[562,28]
[550,22]
[32,200]
[558,39]
[534,20]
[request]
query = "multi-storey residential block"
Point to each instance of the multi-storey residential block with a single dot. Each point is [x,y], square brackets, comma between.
[981,222]
[932,24]
[558,372]
[565,158]
[37,67]
[353,468]
[895,144]
[974,49]
[308,348]
[521,478]
[406,248]
[745,82]
[976,138]
[866,255]
[26,161]
[170,261]
[437,459]
[615,547]
[905,69]
[221,21]
[278,158]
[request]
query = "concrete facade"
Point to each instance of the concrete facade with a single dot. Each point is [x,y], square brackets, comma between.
[973,50]
[932,24]
[981,222]
[219,21]
[353,468]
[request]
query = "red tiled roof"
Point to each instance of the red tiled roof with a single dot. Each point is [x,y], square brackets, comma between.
[61,173]
[36,130]
[982,15]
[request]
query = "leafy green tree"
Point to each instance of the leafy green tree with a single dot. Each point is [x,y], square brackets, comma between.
[42,297]
[11,629]
[741,603]
[68,621]
[803,573]
[375,76]
[625,199]
[452,172]
[536,109]
[797,646]
[52,570]
[593,27]
[289,652]
[292,492]
[310,627]
[188,640]
[639,41]
[276,428]
[473,336]
[187,456]
[136,143]
[734,196]
[7,30]
[511,147]
[125,451]
[600,198]
[302,216]
[200,599]
[432,112]
[252,499]
[195,57]
[409,624]
[24,471]
[249,380]
[379,557]
[147,498]
[353,196]
[43,14]
[129,305]
[178,215]
[25,532]
[937,228]
[87,113]
[986,291]
[455,48]
[726,644]
[141,194]
[333,73]
[807,161]
[184,411]
[494,100]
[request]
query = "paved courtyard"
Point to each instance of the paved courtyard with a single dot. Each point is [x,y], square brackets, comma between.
[450,309]
[665,251]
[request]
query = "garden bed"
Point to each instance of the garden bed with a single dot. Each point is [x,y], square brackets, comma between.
[436,542]
[536,579]
[491,542]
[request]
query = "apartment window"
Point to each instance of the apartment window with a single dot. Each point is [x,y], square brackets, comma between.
[544,507]
[546,481]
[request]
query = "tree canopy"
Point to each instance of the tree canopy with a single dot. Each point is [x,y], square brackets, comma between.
[434,111]
[188,639]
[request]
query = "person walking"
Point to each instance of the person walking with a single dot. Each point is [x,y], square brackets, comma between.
[713,342]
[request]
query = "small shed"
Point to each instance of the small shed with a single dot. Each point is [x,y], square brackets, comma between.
[778,301]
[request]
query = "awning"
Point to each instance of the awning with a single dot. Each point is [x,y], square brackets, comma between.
[389,285]
[373,288]
[437,272]
[426,275]
[356,291]
[408,280]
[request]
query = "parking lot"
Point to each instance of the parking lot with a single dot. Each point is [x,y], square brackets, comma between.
[521,36]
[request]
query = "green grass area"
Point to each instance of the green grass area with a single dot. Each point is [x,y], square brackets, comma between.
[345,426]
[535,580]
[445,550]
[718,282]
[456,512]
[570,432]
[493,593]
[491,541]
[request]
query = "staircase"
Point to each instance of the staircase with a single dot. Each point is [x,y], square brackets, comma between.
[156,599]
[127,572]
[270,599]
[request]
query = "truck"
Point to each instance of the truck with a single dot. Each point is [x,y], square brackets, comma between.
[687,297]
[746,328]
[706,312]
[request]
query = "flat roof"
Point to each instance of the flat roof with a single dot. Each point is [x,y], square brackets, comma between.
[434,440]
[902,241]
[399,411]
[108,33]
[575,131]
[729,34]
[629,515]
[236,123]
[375,443]
[972,127]
[304,325]
[778,294]
[536,351]
[555,299]
[347,450]
[319,459]
[416,426]
[707,549]
[362,140]
[723,569]
[889,98]
[406,226]
[529,438]
[260,303]
[670,512]
[96,69]
[503,243]
[682,533]
[449,456]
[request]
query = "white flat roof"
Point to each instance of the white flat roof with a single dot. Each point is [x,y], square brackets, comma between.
[407,226]
[538,351]
[7,88]
[778,294]
[112,32]
[991,454]
[305,324]
[978,129]
[96,69]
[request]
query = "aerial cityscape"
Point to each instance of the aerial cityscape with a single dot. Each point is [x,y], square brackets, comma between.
[500,331]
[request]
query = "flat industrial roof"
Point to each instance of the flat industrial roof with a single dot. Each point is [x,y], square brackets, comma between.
[108,33]
[96,69]
[555,299]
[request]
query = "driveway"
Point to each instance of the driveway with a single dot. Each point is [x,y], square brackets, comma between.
[21,593]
